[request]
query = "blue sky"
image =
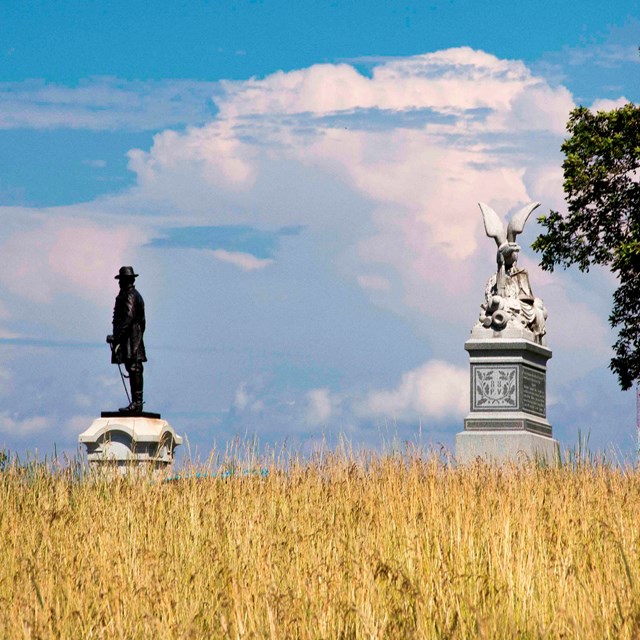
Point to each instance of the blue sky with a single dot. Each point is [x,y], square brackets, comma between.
[296,183]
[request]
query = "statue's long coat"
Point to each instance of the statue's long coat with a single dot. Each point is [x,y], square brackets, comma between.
[128,327]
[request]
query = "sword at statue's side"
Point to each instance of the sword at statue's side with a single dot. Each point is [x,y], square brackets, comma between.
[116,356]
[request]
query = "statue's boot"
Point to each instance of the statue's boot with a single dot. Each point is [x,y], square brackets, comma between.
[136,382]
[134,408]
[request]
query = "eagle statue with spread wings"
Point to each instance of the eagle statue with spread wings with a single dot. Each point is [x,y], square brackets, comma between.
[510,309]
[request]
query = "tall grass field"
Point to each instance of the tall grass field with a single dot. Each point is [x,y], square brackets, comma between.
[336,546]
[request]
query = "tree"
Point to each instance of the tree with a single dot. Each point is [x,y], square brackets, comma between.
[602,226]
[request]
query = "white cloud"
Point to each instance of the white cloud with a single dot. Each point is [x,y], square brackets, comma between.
[67,255]
[545,182]
[420,176]
[319,407]
[212,154]
[244,261]
[12,425]
[450,80]
[242,398]
[436,389]
[540,107]
[384,172]
[605,104]
[246,401]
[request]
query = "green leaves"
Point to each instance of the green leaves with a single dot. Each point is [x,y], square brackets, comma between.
[602,226]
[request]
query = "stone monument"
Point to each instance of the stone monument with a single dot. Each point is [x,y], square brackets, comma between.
[508,360]
[144,442]
[130,438]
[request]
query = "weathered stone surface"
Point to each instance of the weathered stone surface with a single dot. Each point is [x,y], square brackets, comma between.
[510,309]
[504,446]
[507,417]
[533,392]
[508,359]
[515,421]
[508,386]
[124,442]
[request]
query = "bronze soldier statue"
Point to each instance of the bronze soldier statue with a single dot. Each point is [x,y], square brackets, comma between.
[127,345]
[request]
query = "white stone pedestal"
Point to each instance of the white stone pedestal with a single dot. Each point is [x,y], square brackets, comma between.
[504,446]
[508,416]
[121,442]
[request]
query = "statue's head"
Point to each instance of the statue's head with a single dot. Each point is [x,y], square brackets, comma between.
[508,253]
[512,260]
[126,272]
[126,276]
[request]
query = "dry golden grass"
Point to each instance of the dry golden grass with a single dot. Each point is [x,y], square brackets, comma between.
[340,547]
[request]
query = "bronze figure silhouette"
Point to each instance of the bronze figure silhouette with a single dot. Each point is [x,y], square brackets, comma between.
[127,344]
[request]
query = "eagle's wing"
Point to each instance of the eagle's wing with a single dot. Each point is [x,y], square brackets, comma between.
[492,224]
[518,220]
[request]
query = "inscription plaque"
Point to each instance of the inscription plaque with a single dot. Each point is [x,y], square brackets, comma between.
[533,392]
[495,388]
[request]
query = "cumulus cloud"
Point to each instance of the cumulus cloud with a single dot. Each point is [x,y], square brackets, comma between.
[383,171]
[244,261]
[545,182]
[319,407]
[67,255]
[495,137]
[421,176]
[437,390]
[453,80]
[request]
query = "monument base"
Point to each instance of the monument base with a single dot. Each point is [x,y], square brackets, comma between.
[124,443]
[503,446]
[508,402]
[129,414]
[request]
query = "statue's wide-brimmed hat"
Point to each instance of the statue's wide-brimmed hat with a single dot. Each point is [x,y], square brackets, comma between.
[126,272]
